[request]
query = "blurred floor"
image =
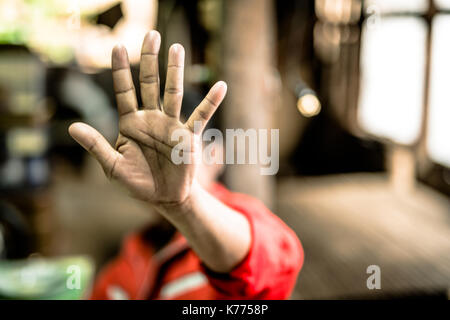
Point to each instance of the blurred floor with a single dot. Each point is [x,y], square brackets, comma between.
[345,222]
[348,222]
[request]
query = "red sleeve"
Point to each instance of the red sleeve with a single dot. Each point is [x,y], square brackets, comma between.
[275,258]
[130,275]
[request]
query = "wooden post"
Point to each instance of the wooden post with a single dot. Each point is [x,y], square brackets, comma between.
[402,168]
[249,56]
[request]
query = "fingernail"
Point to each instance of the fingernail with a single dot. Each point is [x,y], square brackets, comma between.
[119,57]
[176,47]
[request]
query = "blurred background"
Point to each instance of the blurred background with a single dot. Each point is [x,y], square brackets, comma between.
[358,89]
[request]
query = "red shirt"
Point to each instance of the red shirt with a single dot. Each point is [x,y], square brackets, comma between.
[269,271]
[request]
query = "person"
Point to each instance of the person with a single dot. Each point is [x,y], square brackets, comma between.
[227,245]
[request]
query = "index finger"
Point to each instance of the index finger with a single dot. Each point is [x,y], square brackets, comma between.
[207,107]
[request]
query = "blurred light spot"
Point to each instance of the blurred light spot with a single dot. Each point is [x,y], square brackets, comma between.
[26,142]
[338,11]
[392,78]
[438,135]
[9,11]
[327,40]
[309,105]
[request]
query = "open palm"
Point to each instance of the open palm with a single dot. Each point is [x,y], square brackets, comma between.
[142,157]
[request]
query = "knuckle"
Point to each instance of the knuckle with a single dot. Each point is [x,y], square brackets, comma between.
[174,90]
[203,114]
[93,145]
[149,79]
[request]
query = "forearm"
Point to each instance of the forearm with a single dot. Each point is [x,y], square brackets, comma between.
[219,235]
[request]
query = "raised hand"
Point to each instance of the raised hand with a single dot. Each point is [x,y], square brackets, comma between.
[141,159]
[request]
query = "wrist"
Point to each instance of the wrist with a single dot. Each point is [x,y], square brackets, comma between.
[184,207]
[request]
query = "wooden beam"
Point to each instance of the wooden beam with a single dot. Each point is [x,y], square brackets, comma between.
[249,57]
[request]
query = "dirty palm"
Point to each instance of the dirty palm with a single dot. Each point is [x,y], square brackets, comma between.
[141,159]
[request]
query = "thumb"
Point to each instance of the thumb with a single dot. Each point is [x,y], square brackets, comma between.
[91,140]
